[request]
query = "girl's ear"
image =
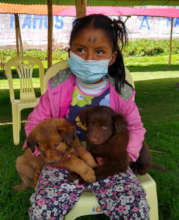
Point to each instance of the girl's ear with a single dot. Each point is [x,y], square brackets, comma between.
[113,59]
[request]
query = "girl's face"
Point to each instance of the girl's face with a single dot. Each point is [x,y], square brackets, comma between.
[93,44]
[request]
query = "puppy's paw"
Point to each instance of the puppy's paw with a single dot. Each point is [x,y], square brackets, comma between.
[35,178]
[89,175]
[90,160]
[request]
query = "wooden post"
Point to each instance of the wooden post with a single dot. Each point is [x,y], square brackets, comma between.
[80,8]
[50,32]
[171,33]
[19,47]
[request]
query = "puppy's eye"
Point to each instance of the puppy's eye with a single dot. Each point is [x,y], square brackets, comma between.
[62,140]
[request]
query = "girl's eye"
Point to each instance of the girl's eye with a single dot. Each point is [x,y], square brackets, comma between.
[99,52]
[81,50]
[104,128]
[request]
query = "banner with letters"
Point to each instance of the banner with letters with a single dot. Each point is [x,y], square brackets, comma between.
[34,29]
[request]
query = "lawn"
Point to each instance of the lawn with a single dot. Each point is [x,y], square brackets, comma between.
[157,97]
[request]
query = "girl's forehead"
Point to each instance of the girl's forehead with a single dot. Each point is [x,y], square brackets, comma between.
[91,35]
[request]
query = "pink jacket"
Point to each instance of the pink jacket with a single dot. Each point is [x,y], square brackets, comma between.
[55,104]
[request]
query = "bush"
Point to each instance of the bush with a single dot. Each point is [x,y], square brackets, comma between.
[151,47]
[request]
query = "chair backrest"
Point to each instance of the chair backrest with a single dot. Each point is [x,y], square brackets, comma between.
[52,71]
[24,67]
[129,77]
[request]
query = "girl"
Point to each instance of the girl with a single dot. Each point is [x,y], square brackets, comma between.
[96,76]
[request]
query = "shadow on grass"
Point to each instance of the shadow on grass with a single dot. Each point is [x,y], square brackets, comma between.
[153,67]
[5,106]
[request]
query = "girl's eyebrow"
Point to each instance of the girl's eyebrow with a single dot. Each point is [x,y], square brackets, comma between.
[101,47]
[79,45]
[84,46]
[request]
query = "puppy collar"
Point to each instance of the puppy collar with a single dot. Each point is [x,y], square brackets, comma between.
[36,152]
[67,157]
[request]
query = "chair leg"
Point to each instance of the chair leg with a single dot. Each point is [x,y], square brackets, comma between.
[150,188]
[15,124]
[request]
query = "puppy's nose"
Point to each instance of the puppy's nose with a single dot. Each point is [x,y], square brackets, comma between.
[94,139]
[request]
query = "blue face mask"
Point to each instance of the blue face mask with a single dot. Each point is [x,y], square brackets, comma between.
[88,71]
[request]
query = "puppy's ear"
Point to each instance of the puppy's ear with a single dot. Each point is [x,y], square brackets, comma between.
[31,143]
[83,116]
[69,137]
[119,122]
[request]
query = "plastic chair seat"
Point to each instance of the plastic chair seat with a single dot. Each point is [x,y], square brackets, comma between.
[88,204]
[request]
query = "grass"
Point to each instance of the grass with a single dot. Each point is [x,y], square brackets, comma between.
[157,98]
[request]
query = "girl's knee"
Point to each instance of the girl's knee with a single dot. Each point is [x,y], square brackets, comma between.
[37,212]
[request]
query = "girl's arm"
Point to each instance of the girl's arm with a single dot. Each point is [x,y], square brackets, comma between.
[135,126]
[41,112]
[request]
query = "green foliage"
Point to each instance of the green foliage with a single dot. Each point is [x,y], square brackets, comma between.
[150,47]
[58,55]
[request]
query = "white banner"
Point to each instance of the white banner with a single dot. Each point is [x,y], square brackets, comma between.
[34,29]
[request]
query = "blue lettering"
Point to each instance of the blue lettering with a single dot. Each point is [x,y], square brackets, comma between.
[46,22]
[12,21]
[168,21]
[176,22]
[144,23]
[27,22]
[37,18]
[59,22]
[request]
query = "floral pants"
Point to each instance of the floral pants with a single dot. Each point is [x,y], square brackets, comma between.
[120,196]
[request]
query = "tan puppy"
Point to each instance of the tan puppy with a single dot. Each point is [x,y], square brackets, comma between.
[55,142]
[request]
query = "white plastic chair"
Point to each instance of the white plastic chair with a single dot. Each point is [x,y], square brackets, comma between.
[129,78]
[88,204]
[52,71]
[24,67]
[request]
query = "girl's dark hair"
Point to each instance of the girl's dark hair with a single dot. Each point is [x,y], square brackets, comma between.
[117,34]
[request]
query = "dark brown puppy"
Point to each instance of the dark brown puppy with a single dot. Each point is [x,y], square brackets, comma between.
[56,142]
[107,137]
